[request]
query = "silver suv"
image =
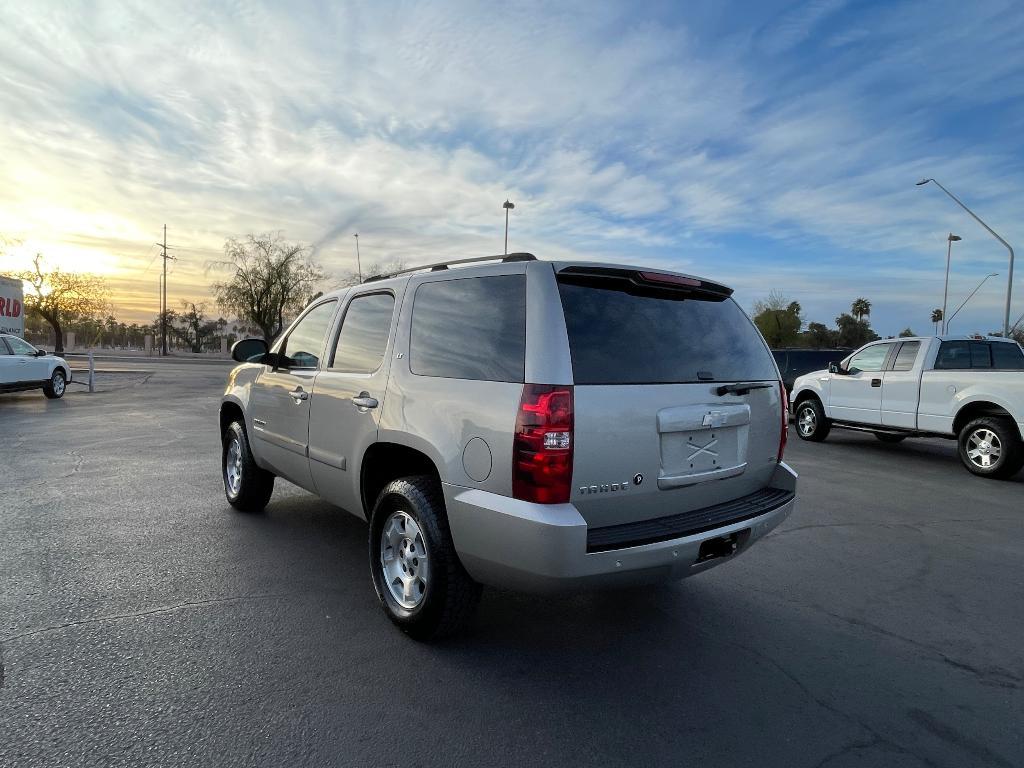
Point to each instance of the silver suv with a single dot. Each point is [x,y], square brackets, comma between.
[523,424]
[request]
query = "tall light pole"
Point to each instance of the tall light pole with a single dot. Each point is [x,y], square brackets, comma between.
[508,207]
[990,274]
[359,264]
[1009,278]
[945,291]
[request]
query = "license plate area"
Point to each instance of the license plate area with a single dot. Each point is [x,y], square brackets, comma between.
[700,443]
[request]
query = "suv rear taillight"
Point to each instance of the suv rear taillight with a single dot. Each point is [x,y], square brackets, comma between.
[542,446]
[785,419]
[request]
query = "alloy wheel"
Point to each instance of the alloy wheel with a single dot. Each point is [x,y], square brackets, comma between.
[807,421]
[233,467]
[404,559]
[984,448]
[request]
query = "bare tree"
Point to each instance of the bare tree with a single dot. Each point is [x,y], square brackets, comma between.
[271,279]
[58,296]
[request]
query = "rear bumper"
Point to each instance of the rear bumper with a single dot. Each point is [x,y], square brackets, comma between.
[504,542]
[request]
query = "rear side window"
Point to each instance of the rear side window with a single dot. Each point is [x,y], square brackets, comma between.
[629,335]
[364,334]
[907,355]
[1007,357]
[470,328]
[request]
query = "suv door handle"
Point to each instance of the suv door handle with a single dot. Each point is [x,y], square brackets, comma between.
[299,395]
[876,382]
[363,400]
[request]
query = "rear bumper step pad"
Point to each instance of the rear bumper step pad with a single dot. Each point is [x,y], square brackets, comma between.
[686,523]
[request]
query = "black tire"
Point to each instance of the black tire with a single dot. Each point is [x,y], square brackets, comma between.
[255,485]
[815,428]
[55,387]
[448,598]
[984,435]
[888,437]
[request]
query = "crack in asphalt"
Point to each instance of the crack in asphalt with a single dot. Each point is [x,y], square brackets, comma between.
[142,614]
[993,676]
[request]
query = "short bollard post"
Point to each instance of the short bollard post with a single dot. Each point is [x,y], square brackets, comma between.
[92,374]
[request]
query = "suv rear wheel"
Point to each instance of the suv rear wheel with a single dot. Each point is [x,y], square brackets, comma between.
[247,487]
[421,584]
[991,447]
[811,422]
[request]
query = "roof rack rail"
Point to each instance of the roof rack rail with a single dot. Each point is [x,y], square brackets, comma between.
[442,265]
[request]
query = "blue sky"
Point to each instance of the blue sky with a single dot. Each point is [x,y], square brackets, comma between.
[769,145]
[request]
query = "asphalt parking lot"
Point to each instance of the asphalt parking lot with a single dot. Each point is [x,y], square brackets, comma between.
[142,622]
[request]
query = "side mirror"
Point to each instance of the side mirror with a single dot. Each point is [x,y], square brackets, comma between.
[249,351]
[834,368]
[41,353]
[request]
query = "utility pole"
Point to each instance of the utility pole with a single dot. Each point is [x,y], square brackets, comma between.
[163,298]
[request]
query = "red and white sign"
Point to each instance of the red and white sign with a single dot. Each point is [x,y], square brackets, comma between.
[12,307]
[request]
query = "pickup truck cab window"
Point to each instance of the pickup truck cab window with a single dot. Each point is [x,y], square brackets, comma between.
[1007,357]
[869,359]
[907,356]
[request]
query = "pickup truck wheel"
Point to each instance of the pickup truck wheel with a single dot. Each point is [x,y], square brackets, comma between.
[888,437]
[247,486]
[811,422]
[991,447]
[420,582]
[54,388]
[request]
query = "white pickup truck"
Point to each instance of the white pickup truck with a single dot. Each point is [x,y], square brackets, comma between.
[969,389]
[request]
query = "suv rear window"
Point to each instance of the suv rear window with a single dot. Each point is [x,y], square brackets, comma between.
[620,333]
[470,328]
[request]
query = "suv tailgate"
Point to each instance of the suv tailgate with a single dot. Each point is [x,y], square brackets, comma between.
[658,431]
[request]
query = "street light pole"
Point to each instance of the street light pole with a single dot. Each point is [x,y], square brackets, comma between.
[359,264]
[990,274]
[1009,278]
[945,292]
[508,207]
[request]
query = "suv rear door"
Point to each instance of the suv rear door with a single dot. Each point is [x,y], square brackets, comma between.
[658,430]
[348,395]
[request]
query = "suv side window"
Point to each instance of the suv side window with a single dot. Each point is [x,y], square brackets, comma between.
[907,356]
[470,328]
[364,334]
[870,359]
[302,347]
[19,347]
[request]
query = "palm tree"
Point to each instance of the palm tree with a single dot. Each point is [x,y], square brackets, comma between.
[936,319]
[860,308]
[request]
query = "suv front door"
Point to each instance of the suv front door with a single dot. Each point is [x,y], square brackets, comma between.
[348,397]
[857,394]
[281,396]
[28,366]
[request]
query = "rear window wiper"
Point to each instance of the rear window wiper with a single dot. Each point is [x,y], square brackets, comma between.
[741,387]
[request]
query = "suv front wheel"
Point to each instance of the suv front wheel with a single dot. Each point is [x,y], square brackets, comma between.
[247,487]
[421,584]
[991,447]
[811,422]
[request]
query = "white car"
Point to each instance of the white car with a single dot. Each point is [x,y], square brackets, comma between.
[22,367]
[959,387]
